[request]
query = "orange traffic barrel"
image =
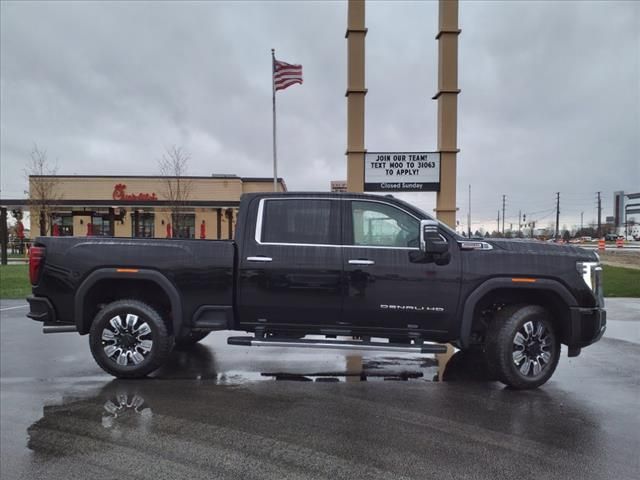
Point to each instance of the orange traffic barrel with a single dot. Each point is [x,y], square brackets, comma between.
[619,242]
[601,244]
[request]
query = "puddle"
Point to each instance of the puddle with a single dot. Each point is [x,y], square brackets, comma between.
[192,380]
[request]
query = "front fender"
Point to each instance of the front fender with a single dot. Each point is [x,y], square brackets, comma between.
[540,284]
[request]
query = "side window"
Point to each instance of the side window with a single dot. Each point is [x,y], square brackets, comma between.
[301,221]
[381,225]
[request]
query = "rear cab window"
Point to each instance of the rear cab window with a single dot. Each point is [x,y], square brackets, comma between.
[299,221]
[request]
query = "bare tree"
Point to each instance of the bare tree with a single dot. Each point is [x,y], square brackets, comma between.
[43,187]
[174,167]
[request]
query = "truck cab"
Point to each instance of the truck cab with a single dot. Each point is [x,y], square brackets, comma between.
[343,265]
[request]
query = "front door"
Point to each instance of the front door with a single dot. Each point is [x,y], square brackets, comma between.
[291,271]
[386,291]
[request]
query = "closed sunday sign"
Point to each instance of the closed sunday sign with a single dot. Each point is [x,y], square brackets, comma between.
[402,171]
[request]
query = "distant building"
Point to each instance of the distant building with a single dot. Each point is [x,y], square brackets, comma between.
[618,209]
[139,206]
[338,185]
[625,205]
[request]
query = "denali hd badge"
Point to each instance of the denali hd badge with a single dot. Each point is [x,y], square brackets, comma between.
[412,307]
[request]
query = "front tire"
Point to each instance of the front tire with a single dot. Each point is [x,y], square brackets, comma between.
[522,346]
[129,339]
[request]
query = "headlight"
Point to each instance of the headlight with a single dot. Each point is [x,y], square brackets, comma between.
[592,275]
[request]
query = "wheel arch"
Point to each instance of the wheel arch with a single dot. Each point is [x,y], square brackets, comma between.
[551,294]
[144,279]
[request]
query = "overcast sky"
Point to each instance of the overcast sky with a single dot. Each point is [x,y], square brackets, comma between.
[550,94]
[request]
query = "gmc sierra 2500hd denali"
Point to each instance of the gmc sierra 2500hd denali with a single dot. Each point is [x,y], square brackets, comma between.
[323,264]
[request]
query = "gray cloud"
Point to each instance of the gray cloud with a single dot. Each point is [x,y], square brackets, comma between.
[550,93]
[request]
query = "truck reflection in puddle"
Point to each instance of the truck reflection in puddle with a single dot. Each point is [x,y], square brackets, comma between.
[199,363]
[362,369]
[446,367]
[124,406]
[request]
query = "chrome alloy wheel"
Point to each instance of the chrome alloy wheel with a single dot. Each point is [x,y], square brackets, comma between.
[532,346]
[127,342]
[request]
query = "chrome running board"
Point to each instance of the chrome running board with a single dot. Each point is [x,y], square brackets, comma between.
[59,329]
[337,344]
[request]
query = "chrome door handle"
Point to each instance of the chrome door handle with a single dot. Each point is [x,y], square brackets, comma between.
[259,259]
[361,262]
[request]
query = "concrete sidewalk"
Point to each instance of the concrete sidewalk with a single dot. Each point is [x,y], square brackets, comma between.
[623,319]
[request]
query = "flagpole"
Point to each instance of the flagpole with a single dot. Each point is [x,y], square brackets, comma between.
[273,91]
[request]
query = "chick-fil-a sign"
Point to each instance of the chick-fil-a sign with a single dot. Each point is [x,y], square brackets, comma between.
[119,193]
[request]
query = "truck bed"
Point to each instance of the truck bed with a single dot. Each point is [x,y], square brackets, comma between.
[202,271]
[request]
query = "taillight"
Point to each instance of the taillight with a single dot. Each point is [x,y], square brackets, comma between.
[36,260]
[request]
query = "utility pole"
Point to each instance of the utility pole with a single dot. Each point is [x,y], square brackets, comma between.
[599,232]
[498,230]
[557,214]
[4,237]
[519,221]
[581,222]
[504,197]
[469,215]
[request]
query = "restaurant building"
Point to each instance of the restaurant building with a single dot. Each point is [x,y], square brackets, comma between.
[143,206]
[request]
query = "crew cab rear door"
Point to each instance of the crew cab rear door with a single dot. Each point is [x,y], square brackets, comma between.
[386,291]
[290,271]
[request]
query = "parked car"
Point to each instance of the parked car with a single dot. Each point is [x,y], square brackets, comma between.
[324,264]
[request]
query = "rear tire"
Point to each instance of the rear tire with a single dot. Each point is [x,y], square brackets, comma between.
[522,346]
[129,339]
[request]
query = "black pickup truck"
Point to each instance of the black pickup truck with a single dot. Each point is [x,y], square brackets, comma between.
[333,265]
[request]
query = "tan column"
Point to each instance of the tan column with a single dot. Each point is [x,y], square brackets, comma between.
[443,359]
[160,228]
[447,98]
[80,229]
[356,92]
[224,225]
[123,228]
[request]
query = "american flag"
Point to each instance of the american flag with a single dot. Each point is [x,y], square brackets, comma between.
[285,74]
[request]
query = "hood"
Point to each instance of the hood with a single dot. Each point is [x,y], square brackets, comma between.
[537,247]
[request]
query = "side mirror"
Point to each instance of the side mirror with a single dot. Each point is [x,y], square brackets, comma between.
[431,243]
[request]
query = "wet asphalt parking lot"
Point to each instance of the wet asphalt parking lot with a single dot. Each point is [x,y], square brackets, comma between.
[234,412]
